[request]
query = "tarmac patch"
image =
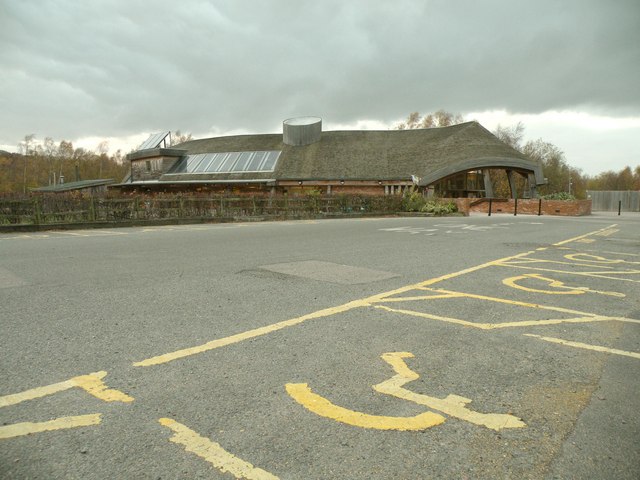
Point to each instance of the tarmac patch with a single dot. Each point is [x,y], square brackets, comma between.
[330,272]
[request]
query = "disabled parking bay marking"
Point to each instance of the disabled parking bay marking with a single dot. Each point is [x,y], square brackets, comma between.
[559,288]
[452,405]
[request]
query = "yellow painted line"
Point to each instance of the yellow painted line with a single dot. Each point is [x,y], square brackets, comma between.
[597,232]
[586,346]
[605,275]
[517,303]
[557,284]
[452,405]
[313,402]
[596,259]
[561,287]
[213,453]
[492,326]
[528,261]
[606,233]
[26,428]
[239,337]
[621,253]
[38,392]
[586,240]
[91,383]
[417,298]
[73,234]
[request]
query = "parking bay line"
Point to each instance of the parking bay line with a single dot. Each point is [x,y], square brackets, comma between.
[26,428]
[91,383]
[586,346]
[213,452]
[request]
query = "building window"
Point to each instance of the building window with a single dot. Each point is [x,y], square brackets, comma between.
[148,164]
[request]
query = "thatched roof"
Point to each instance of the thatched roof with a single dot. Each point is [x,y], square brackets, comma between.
[369,155]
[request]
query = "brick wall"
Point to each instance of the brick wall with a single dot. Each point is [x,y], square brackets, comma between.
[571,208]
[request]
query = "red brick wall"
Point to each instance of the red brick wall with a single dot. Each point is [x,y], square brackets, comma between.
[572,208]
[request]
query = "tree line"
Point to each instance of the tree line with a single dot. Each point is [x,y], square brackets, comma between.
[561,177]
[47,162]
[39,164]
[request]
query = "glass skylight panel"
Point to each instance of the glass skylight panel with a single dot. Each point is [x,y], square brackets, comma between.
[154,140]
[218,160]
[270,162]
[255,161]
[193,161]
[242,162]
[204,164]
[228,162]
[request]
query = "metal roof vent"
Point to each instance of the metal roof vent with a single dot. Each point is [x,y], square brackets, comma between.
[301,130]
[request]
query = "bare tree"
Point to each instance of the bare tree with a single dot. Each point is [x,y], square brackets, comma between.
[441,118]
[511,135]
[178,137]
[103,150]
[27,149]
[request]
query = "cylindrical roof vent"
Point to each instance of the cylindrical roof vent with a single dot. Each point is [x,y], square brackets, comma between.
[301,130]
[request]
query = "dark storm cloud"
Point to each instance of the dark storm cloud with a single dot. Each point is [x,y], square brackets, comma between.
[119,67]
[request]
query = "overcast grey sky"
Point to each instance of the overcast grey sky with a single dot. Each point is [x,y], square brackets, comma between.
[120,69]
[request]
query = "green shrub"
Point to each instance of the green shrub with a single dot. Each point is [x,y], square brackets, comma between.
[559,196]
[439,208]
[413,201]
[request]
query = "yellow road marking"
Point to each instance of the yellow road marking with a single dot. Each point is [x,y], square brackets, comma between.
[528,261]
[313,402]
[20,429]
[586,346]
[596,259]
[513,283]
[604,275]
[452,405]
[557,284]
[608,232]
[213,452]
[492,326]
[91,383]
[73,234]
[418,298]
[222,342]
[597,232]
[516,302]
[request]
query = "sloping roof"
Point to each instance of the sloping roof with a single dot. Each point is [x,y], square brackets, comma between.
[367,155]
[66,187]
[375,155]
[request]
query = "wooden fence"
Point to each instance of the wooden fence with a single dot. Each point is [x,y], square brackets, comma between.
[70,209]
[612,201]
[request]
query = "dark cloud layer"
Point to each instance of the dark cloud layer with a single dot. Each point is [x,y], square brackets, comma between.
[110,68]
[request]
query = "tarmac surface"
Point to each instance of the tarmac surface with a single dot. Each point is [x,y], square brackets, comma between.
[399,348]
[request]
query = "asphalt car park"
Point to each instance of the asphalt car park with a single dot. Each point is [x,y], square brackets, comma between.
[381,348]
